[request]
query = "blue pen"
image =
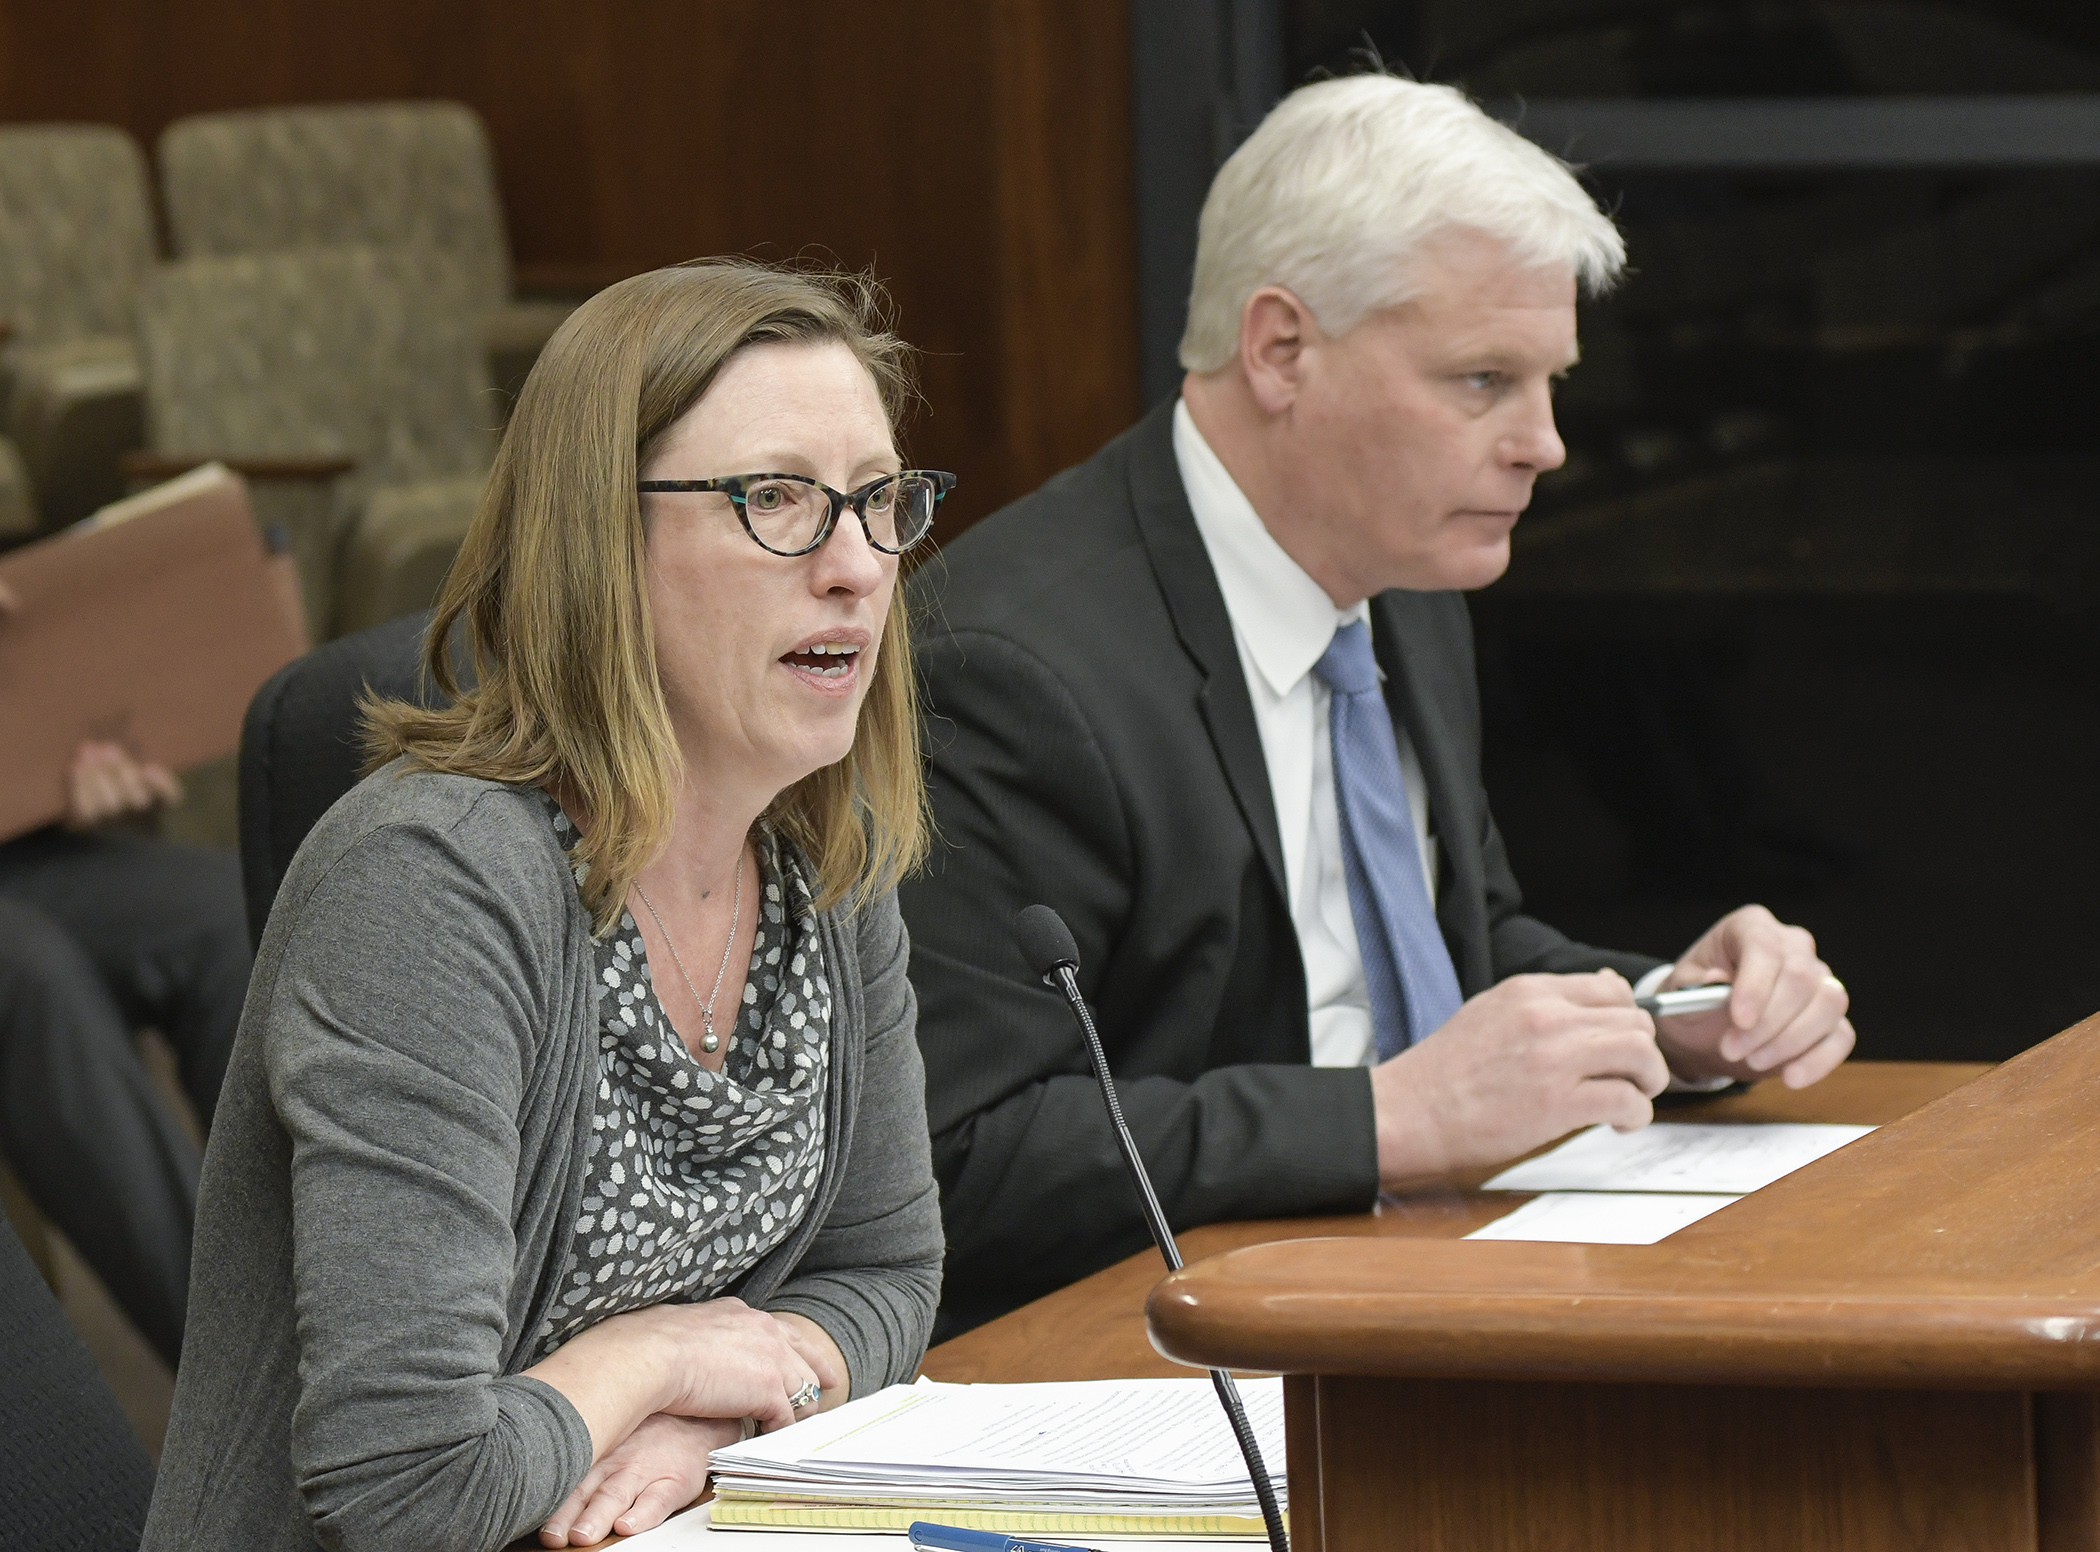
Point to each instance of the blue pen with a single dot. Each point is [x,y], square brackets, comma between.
[953,1538]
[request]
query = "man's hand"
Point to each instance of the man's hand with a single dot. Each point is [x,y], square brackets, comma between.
[649,1476]
[106,783]
[1523,1063]
[1787,1012]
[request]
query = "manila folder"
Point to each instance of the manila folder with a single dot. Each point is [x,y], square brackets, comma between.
[150,624]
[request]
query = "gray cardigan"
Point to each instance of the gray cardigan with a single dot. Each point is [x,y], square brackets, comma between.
[397,1160]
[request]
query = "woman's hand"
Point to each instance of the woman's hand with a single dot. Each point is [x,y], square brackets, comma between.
[736,1362]
[701,1369]
[656,1471]
[717,1359]
[822,1355]
[106,783]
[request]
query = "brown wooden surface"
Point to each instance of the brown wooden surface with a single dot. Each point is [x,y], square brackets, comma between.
[977,156]
[1553,1465]
[568,277]
[1095,1329]
[1955,1248]
[1452,1466]
[2067,1472]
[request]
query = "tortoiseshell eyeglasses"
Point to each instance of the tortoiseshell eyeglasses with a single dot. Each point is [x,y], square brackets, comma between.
[792,514]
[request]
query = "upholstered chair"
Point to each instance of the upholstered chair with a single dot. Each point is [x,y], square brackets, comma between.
[76,240]
[349,386]
[372,174]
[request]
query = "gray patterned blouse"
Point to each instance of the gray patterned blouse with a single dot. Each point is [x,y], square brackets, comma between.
[693,1175]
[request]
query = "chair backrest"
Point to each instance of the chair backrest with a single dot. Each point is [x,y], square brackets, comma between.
[365,353]
[76,230]
[73,1475]
[377,174]
[300,748]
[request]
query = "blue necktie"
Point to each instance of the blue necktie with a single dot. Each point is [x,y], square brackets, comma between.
[1414,988]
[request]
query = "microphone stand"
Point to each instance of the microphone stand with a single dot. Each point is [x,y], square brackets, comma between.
[1066,979]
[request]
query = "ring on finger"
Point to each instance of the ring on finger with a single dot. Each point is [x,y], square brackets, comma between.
[809,1395]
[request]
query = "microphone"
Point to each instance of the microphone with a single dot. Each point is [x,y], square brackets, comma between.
[1046,943]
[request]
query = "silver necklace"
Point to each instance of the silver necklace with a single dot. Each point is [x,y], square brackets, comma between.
[710,1042]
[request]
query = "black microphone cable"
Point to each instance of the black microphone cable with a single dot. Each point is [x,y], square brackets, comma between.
[1047,944]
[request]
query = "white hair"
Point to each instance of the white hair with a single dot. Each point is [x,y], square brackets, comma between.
[1334,194]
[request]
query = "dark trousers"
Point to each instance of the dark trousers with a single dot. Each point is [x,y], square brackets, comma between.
[70,1466]
[102,935]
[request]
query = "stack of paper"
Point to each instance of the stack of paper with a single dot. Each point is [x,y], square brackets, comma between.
[1083,1458]
[1607,1188]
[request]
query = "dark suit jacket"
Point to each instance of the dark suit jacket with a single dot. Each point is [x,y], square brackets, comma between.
[1092,746]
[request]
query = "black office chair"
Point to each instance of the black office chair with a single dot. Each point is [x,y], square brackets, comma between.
[73,1476]
[300,748]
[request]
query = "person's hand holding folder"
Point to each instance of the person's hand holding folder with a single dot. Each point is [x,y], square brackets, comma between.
[105,783]
[130,644]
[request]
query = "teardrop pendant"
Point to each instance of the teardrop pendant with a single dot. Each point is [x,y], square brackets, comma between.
[710,1042]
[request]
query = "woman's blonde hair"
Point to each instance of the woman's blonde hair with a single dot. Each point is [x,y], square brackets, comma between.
[550,588]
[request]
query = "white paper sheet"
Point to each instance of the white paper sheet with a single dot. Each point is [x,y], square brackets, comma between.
[693,1532]
[1602,1217]
[1677,1156]
[1165,1433]
[1147,1446]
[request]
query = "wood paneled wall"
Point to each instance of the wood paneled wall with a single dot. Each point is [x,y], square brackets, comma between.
[975,152]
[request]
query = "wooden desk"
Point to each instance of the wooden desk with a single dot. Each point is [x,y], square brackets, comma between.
[1418,1420]
[1095,1329]
[1898,1347]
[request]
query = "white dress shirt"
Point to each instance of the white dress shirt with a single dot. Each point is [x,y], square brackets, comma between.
[1282,621]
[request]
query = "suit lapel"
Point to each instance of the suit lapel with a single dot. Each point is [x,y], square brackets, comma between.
[1403,637]
[1406,638]
[1187,581]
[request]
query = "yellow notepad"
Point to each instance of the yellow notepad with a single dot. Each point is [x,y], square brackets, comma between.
[801,1514]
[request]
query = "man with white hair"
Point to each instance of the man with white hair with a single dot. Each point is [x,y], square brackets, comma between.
[1211,696]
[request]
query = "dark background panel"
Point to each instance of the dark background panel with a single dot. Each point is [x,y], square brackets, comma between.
[1809,617]
[1914,788]
[1703,47]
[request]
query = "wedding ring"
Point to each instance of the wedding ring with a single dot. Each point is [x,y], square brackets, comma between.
[808,1395]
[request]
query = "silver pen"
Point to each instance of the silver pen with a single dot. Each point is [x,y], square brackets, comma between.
[1685,999]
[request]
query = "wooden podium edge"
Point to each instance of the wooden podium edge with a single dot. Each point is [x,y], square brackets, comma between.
[1783,1288]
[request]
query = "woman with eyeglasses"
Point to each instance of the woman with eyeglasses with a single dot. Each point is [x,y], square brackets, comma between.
[576,1120]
